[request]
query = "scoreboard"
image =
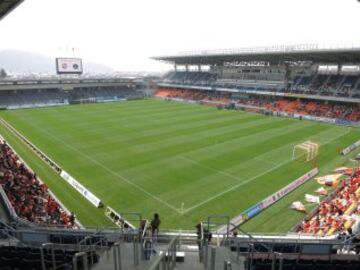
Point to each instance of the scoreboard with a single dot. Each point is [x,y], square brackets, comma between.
[69,66]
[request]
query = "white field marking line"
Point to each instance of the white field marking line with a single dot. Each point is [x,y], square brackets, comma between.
[200,134]
[251,179]
[22,142]
[259,158]
[148,193]
[233,140]
[120,176]
[109,170]
[235,187]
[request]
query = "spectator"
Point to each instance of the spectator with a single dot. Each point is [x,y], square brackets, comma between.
[350,112]
[29,197]
[155,224]
[336,215]
[148,244]
[72,219]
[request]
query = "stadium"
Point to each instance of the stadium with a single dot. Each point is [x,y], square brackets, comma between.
[235,159]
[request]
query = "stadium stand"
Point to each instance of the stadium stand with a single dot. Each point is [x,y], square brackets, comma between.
[338,212]
[55,96]
[320,84]
[10,98]
[197,78]
[323,85]
[350,112]
[326,85]
[102,93]
[193,94]
[29,197]
[15,257]
[29,92]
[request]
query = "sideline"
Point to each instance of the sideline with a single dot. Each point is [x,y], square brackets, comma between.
[105,167]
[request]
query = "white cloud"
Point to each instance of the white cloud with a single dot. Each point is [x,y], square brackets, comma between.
[125,33]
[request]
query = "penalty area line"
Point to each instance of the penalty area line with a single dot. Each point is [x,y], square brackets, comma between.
[235,187]
[256,176]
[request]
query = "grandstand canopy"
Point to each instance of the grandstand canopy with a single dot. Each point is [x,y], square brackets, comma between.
[6,6]
[271,55]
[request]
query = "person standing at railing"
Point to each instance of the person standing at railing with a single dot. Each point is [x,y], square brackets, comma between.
[148,244]
[155,225]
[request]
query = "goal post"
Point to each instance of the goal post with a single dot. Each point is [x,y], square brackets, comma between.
[308,149]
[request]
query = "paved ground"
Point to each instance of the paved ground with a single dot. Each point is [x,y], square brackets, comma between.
[191,261]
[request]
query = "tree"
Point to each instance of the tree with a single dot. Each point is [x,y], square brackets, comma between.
[3,73]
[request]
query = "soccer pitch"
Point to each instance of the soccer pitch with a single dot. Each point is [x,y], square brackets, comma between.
[184,161]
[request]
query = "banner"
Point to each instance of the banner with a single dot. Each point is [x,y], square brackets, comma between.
[81,189]
[259,207]
[312,199]
[328,179]
[38,105]
[344,122]
[117,218]
[321,191]
[253,211]
[286,190]
[298,206]
[350,148]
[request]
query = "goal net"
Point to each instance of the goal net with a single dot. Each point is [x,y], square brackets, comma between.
[307,150]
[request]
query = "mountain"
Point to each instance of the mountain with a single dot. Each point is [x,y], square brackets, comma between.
[14,61]
[92,67]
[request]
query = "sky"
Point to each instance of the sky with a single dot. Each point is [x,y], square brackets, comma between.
[124,34]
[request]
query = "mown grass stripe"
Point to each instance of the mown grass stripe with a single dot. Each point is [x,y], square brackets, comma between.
[142,141]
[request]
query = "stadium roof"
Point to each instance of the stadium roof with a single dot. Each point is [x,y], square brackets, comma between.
[273,55]
[6,6]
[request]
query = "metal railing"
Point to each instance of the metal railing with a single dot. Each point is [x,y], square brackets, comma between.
[117,256]
[167,258]
[82,255]
[43,263]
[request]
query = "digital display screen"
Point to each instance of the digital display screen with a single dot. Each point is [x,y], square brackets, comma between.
[69,66]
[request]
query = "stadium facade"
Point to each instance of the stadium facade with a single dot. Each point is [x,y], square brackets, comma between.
[297,75]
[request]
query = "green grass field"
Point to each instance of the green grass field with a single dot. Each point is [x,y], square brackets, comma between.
[153,156]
